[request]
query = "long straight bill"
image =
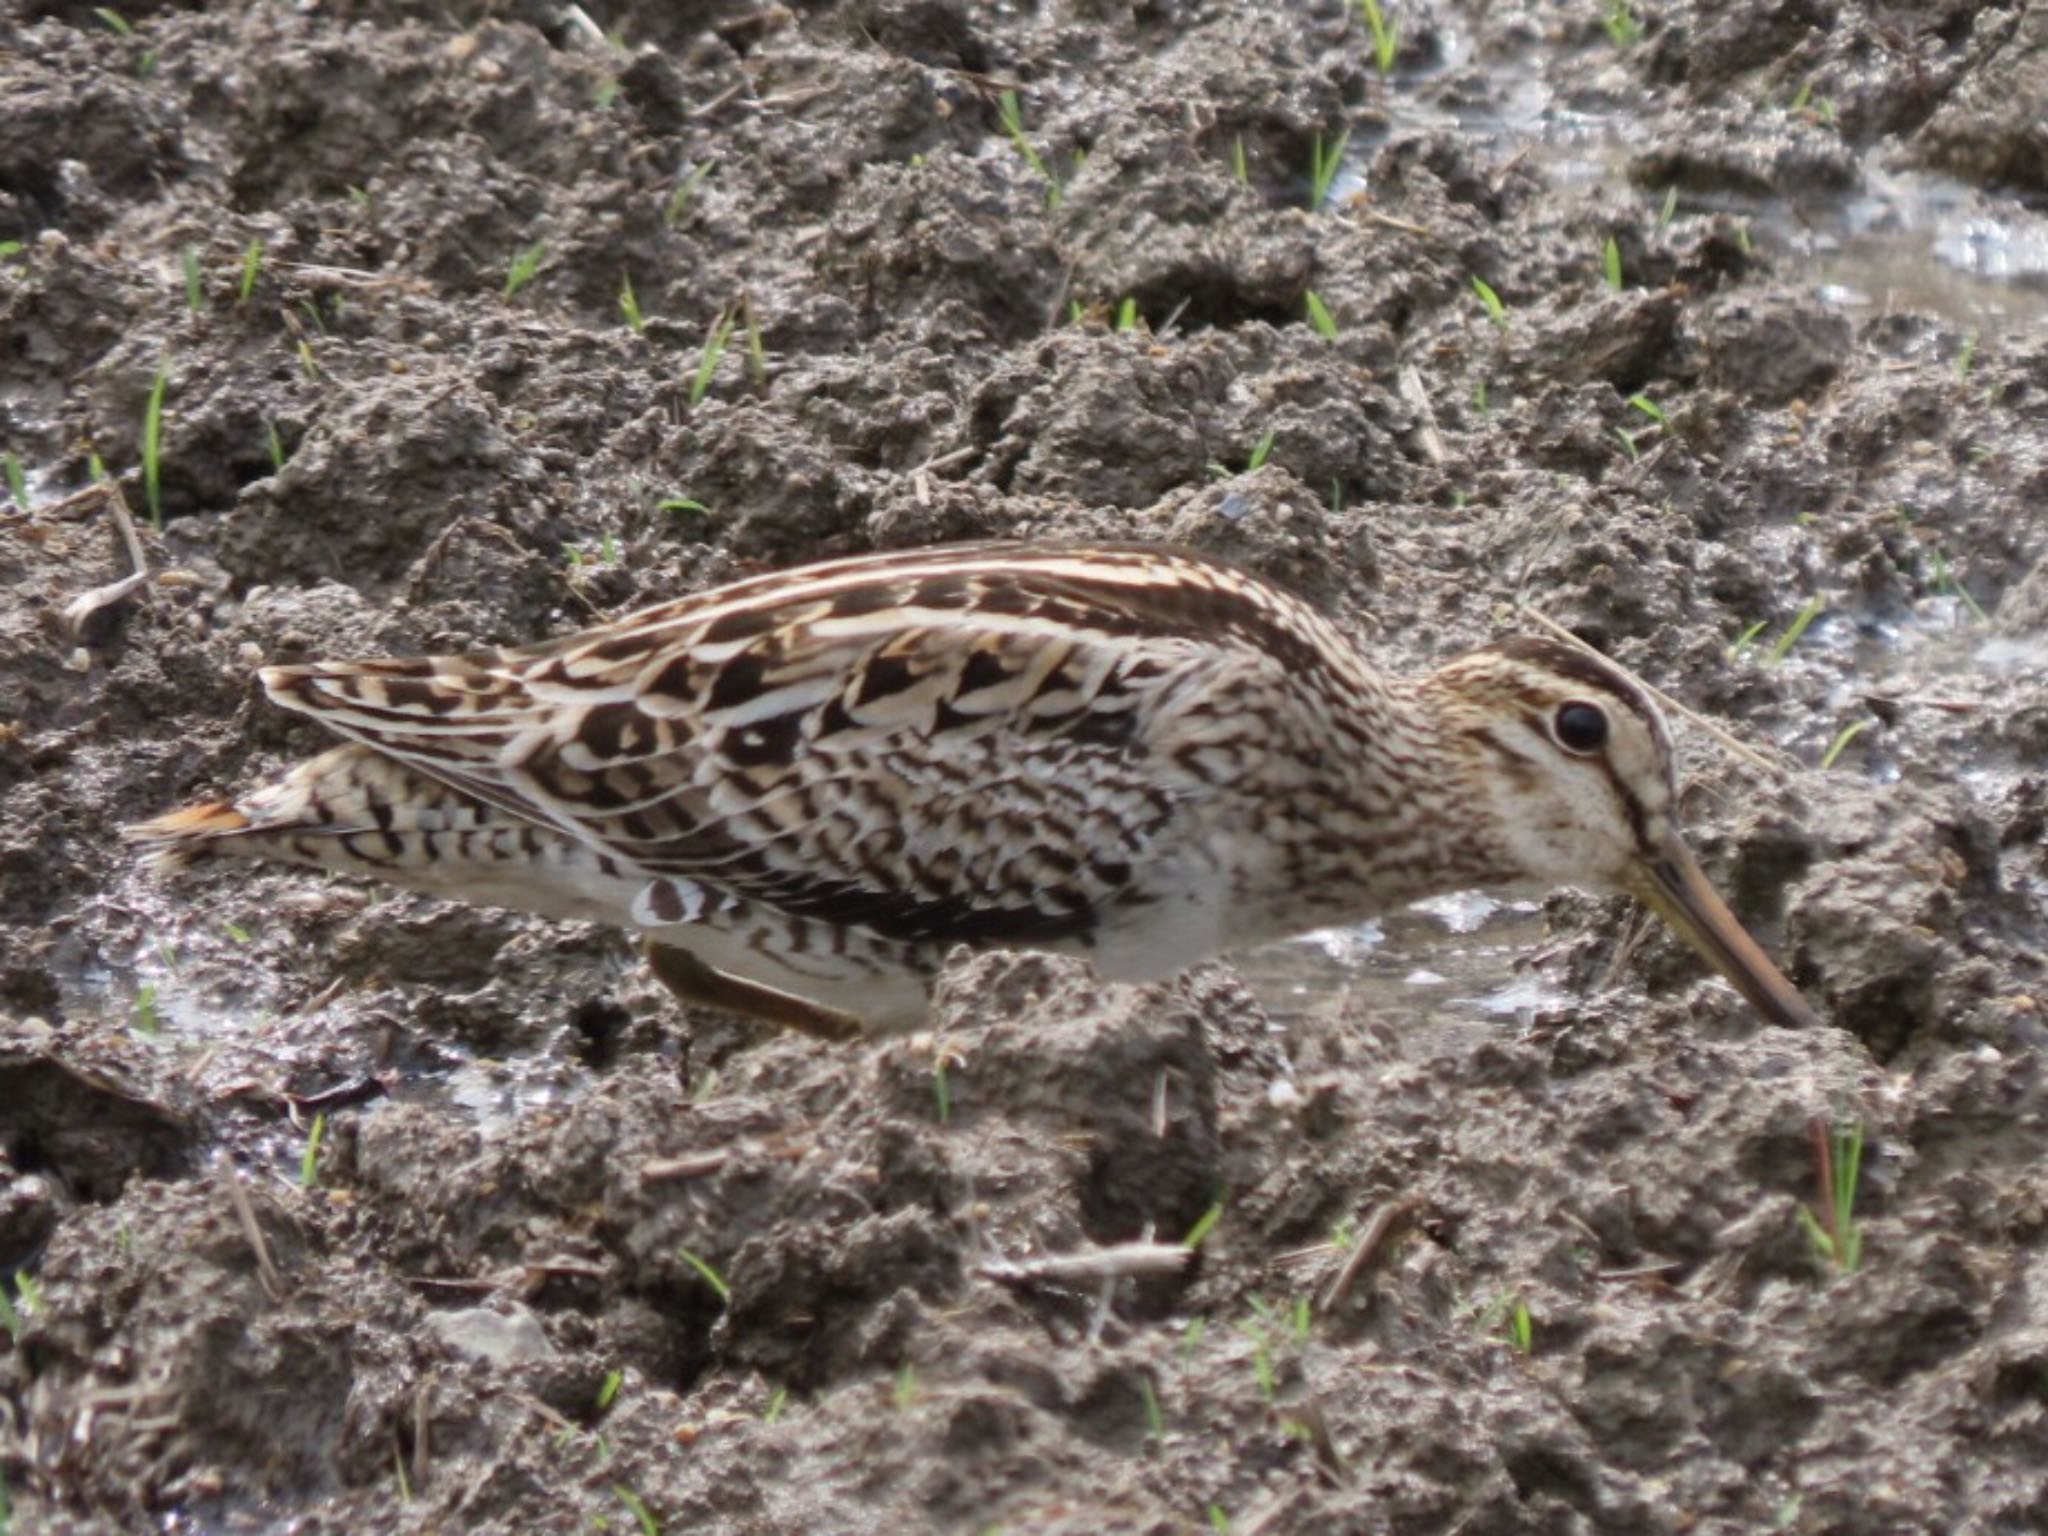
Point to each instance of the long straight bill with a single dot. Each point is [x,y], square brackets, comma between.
[1673,885]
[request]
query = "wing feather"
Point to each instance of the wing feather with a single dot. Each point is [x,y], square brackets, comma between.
[957,745]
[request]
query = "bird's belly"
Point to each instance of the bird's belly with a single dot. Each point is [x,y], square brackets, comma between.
[560,878]
[1185,914]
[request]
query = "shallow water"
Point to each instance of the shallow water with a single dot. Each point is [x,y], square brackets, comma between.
[1904,240]
[1460,956]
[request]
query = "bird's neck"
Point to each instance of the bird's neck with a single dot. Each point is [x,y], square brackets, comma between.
[1394,814]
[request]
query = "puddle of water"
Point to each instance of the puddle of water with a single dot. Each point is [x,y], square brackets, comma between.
[1914,240]
[500,1094]
[1906,240]
[1451,957]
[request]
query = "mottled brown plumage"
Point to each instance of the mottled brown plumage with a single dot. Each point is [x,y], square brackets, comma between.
[805,788]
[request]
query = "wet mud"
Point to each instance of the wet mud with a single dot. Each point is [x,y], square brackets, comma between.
[328,1209]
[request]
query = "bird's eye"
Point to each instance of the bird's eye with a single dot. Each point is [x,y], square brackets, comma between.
[1579,726]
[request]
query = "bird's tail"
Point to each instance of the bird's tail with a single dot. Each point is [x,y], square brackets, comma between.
[350,808]
[357,812]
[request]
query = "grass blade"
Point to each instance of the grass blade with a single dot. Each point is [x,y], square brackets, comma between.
[153,442]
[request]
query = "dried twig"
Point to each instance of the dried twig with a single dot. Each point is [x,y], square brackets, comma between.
[1385,1220]
[81,611]
[1634,932]
[1388,221]
[245,1214]
[1122,1261]
[1408,381]
[691,1165]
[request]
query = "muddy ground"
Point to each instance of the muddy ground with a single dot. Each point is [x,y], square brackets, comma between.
[378,254]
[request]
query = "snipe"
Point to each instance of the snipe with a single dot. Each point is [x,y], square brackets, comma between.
[804,788]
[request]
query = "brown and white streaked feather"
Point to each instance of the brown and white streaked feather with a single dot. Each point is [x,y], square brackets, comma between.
[955,746]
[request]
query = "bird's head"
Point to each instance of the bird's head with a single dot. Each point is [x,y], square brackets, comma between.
[1571,769]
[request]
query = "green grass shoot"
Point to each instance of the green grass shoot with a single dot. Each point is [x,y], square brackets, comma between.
[145,1008]
[1324,164]
[252,268]
[1155,1416]
[1521,1327]
[1262,450]
[681,504]
[711,1277]
[195,289]
[10,248]
[1219,1520]
[1747,638]
[1386,44]
[17,479]
[1650,408]
[1319,315]
[1610,261]
[523,267]
[1966,357]
[1847,734]
[1801,622]
[1629,445]
[608,1389]
[237,932]
[275,445]
[1946,584]
[1623,25]
[309,1160]
[709,358]
[1204,1225]
[1834,1234]
[153,444]
[1127,314]
[904,1393]
[679,200]
[1263,1371]
[114,20]
[1496,306]
[649,1526]
[1240,167]
[778,1405]
[629,305]
[1011,111]
[10,1316]
[1669,209]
